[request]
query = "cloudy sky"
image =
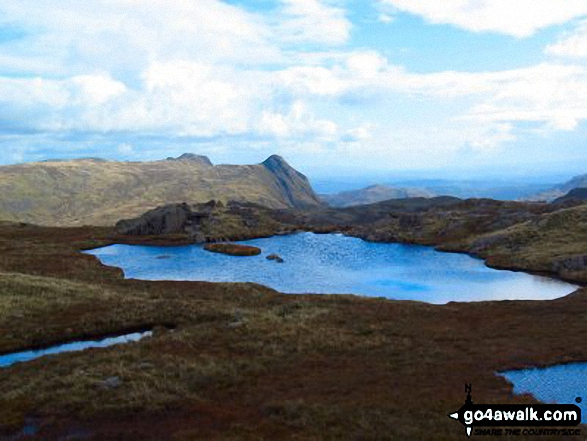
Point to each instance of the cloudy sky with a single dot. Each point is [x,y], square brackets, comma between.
[332,85]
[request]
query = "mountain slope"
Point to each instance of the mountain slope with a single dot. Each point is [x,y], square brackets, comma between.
[562,189]
[98,192]
[576,196]
[372,194]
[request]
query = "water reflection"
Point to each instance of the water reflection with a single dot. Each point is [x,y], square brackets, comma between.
[333,263]
[19,357]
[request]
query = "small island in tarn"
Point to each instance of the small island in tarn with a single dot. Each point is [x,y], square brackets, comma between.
[233,249]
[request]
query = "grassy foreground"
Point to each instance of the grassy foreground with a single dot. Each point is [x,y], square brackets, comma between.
[246,362]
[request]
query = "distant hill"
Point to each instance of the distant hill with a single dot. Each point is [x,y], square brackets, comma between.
[372,194]
[575,196]
[98,192]
[561,190]
[515,189]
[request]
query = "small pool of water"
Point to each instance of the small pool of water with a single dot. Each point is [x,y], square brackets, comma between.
[336,264]
[19,357]
[560,384]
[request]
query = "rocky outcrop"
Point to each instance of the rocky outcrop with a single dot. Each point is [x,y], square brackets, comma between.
[173,219]
[198,159]
[169,219]
[209,222]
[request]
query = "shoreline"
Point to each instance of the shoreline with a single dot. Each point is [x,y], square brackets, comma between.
[165,241]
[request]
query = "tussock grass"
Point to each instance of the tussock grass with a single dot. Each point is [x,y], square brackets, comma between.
[245,362]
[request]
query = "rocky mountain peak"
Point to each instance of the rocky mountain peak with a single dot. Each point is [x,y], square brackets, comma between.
[276,162]
[200,159]
[291,184]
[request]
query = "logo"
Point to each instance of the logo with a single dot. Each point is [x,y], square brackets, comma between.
[473,415]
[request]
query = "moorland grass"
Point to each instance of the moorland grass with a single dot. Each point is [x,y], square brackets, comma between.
[246,362]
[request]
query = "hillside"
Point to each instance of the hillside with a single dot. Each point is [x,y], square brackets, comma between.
[561,190]
[575,196]
[551,243]
[99,192]
[371,195]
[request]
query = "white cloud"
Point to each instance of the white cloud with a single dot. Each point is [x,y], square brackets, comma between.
[46,104]
[125,148]
[125,36]
[97,89]
[207,69]
[547,93]
[315,80]
[314,21]
[519,18]
[385,18]
[361,133]
[180,68]
[297,123]
[366,64]
[572,45]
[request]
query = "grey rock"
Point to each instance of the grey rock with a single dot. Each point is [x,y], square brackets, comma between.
[275,257]
[110,383]
[169,219]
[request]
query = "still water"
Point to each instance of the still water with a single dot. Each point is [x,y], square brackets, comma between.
[20,357]
[561,384]
[336,264]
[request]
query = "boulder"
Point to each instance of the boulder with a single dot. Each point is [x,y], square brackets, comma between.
[275,257]
[169,219]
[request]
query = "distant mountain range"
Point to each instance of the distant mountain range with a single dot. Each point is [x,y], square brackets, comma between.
[372,194]
[561,190]
[94,191]
[515,189]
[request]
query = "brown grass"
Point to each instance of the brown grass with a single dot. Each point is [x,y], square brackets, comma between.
[246,362]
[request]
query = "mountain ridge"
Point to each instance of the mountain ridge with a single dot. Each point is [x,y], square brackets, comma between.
[98,192]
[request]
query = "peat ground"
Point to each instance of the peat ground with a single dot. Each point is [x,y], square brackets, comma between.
[246,362]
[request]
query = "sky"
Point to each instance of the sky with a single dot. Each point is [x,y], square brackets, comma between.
[452,87]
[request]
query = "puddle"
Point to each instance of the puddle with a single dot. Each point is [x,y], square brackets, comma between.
[562,384]
[23,356]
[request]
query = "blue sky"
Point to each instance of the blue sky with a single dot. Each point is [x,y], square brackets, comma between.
[434,88]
